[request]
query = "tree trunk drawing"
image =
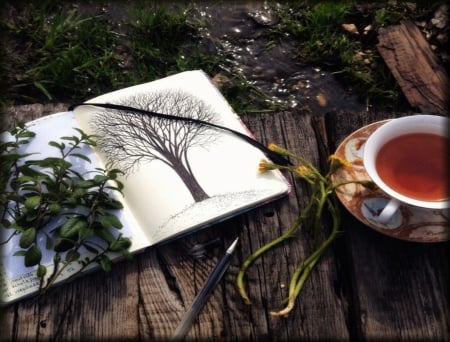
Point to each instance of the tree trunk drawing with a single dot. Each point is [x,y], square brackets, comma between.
[191,182]
[128,138]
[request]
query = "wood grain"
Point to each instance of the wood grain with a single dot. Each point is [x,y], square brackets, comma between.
[416,68]
[366,286]
[399,288]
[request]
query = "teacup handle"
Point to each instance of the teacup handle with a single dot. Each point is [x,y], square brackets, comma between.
[388,211]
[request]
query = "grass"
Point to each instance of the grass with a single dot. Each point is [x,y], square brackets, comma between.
[70,56]
[317,27]
[54,52]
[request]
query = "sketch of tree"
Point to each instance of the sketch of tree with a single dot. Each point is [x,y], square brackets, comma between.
[129,138]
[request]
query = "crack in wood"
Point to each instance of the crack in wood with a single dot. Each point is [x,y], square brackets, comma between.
[168,275]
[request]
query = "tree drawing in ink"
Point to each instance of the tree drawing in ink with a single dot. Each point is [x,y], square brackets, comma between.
[128,138]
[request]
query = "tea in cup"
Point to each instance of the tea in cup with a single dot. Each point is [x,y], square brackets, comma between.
[407,158]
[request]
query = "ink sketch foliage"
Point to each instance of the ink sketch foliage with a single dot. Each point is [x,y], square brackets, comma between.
[128,138]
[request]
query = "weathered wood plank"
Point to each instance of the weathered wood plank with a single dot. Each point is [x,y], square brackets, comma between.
[271,274]
[14,114]
[399,289]
[416,68]
[366,286]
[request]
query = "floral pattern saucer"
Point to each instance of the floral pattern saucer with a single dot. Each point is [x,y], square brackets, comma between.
[410,223]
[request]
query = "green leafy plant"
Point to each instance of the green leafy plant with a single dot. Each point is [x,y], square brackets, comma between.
[49,206]
[322,200]
[54,51]
[57,52]
[159,40]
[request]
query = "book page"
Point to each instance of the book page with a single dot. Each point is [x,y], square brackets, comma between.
[179,176]
[17,280]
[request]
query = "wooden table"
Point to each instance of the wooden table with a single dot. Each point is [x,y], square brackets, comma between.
[367,285]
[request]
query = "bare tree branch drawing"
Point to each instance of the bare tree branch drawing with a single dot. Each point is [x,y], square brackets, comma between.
[129,138]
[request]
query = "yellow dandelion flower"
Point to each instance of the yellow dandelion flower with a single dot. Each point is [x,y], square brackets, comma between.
[278,149]
[306,173]
[272,147]
[337,162]
[264,166]
[303,171]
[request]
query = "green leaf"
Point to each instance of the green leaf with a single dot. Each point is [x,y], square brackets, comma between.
[72,227]
[118,187]
[27,178]
[126,254]
[43,89]
[33,256]
[50,162]
[63,245]
[27,237]
[113,204]
[10,157]
[56,259]
[72,256]
[6,223]
[92,142]
[71,201]
[84,183]
[31,216]
[86,233]
[81,156]
[32,202]
[29,171]
[26,134]
[115,222]
[72,138]
[20,253]
[78,192]
[109,220]
[54,207]
[60,146]
[101,179]
[76,173]
[106,235]
[120,244]
[41,271]
[105,263]
[83,135]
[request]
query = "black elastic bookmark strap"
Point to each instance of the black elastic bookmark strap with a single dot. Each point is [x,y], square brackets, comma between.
[275,157]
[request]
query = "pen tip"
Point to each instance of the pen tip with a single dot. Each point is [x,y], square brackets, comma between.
[233,245]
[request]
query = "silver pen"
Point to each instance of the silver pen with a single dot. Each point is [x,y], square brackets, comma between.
[213,279]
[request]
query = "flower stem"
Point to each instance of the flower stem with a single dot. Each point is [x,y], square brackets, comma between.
[303,271]
[263,249]
[323,197]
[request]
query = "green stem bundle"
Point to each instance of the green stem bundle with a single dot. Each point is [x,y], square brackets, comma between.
[323,197]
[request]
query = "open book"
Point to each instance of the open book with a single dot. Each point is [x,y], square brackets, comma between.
[179,176]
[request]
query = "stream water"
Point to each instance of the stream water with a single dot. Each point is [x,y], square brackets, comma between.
[236,27]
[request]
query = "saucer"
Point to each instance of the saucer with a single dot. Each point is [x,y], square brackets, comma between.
[409,223]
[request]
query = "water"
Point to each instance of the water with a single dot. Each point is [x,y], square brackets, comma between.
[237,27]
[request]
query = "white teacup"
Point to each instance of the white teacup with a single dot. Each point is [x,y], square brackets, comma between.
[407,158]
